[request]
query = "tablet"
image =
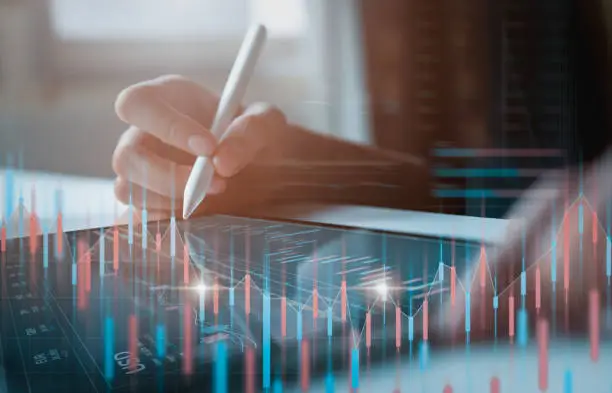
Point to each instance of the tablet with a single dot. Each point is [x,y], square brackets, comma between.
[220,304]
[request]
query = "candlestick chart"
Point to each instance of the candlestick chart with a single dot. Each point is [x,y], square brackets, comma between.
[224,303]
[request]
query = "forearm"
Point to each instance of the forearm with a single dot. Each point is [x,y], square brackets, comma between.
[312,168]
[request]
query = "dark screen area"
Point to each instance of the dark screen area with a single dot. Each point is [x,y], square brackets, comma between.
[510,74]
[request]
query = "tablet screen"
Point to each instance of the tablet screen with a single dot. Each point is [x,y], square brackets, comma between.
[213,304]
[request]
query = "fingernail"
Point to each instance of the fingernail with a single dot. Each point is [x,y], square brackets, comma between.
[200,146]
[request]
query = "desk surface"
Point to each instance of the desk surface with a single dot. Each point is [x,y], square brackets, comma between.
[86,202]
[90,202]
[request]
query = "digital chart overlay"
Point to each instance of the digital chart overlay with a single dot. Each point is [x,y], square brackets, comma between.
[268,305]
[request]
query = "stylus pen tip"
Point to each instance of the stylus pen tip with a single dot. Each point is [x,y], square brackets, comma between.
[188,209]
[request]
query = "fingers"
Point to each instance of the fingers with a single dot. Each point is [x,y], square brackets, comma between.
[246,137]
[134,161]
[141,197]
[131,193]
[143,106]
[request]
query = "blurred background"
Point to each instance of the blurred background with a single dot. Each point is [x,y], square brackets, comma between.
[407,75]
[62,63]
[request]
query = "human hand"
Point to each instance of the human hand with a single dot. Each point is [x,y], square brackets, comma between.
[169,120]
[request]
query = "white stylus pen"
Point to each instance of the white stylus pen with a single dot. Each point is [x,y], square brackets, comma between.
[202,172]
